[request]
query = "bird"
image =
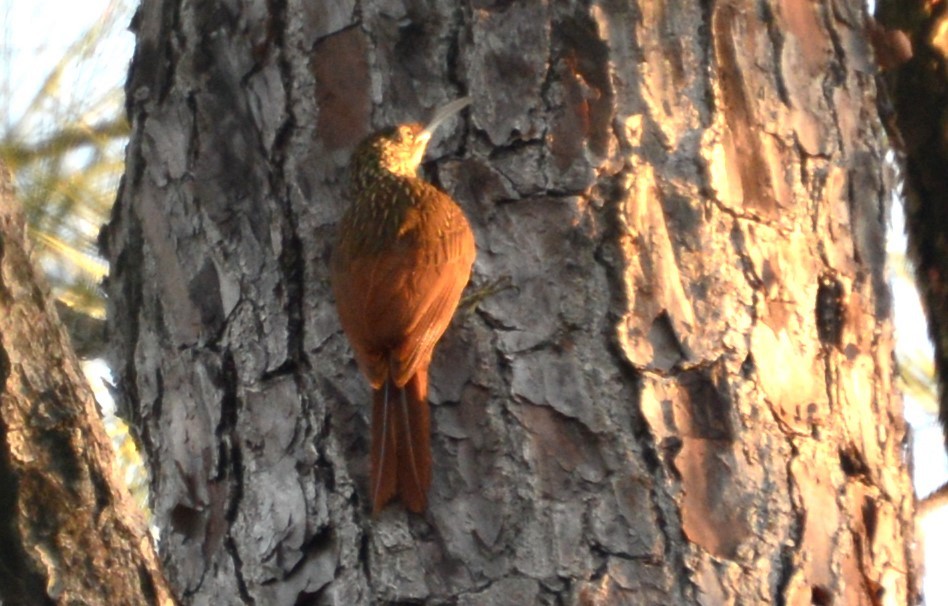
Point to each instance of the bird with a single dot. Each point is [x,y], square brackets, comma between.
[403,255]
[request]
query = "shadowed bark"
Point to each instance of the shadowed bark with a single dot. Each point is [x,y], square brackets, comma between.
[70,532]
[686,397]
[919,89]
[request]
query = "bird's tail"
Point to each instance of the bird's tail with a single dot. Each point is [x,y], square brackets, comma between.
[401,444]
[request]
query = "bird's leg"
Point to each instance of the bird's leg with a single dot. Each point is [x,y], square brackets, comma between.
[471,301]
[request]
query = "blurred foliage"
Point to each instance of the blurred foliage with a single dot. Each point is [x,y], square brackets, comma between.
[64,143]
[130,465]
[913,351]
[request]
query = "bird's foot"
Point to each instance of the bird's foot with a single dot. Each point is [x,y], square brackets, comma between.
[479,294]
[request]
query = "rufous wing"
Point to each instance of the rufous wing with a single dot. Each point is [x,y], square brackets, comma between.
[395,305]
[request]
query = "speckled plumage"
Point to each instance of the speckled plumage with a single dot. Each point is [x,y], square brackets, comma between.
[403,256]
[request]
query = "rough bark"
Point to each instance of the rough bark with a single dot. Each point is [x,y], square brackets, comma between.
[686,397]
[69,531]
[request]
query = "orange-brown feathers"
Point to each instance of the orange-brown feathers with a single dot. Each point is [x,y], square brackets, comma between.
[403,256]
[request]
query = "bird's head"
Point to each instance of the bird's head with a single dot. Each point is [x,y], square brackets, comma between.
[397,150]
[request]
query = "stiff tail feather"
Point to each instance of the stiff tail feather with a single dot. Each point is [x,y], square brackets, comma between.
[401,444]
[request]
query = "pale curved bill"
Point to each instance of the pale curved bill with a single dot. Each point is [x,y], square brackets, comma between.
[444,113]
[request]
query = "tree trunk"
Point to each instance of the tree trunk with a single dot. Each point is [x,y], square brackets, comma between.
[69,531]
[686,395]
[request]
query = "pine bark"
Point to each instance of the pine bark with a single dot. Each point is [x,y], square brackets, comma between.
[685,396]
[69,530]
